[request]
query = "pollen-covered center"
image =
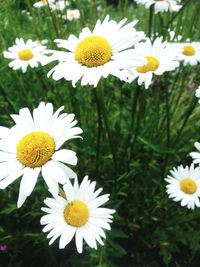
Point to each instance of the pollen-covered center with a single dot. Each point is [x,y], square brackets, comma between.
[25,54]
[93,51]
[35,149]
[188,186]
[151,65]
[188,50]
[76,213]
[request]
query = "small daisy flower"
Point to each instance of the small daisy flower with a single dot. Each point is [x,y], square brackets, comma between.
[95,54]
[79,215]
[161,5]
[184,185]
[196,155]
[32,146]
[198,93]
[72,14]
[189,53]
[42,3]
[24,54]
[59,5]
[159,59]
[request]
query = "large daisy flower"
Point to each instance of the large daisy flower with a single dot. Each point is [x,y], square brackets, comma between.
[32,147]
[24,54]
[95,54]
[159,58]
[189,53]
[161,5]
[184,185]
[79,215]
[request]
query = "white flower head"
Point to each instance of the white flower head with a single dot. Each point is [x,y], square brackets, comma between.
[79,215]
[159,58]
[189,53]
[161,5]
[72,14]
[32,146]
[184,185]
[24,54]
[42,3]
[196,155]
[95,54]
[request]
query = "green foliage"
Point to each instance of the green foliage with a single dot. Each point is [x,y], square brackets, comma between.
[149,230]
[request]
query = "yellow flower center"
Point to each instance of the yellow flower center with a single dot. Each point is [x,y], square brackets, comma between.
[72,15]
[35,149]
[76,213]
[93,51]
[44,2]
[152,65]
[188,186]
[188,50]
[25,54]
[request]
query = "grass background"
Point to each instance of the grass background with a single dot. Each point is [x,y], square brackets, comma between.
[147,131]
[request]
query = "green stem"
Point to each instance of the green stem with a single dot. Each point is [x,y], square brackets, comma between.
[150,22]
[167,115]
[8,100]
[133,113]
[99,131]
[107,126]
[176,14]
[187,116]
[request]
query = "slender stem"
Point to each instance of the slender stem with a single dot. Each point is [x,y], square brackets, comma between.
[8,100]
[176,14]
[99,131]
[167,115]
[133,113]
[187,116]
[107,126]
[150,22]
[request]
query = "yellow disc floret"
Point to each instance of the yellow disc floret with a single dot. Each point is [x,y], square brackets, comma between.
[188,50]
[76,213]
[35,149]
[188,186]
[93,51]
[25,54]
[152,65]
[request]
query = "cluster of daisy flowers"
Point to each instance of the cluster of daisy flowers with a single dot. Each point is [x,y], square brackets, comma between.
[183,183]
[161,6]
[111,48]
[61,6]
[32,148]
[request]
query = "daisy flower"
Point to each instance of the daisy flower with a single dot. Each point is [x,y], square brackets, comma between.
[42,3]
[184,185]
[59,5]
[32,146]
[189,53]
[95,54]
[198,93]
[72,14]
[79,215]
[24,54]
[161,5]
[159,58]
